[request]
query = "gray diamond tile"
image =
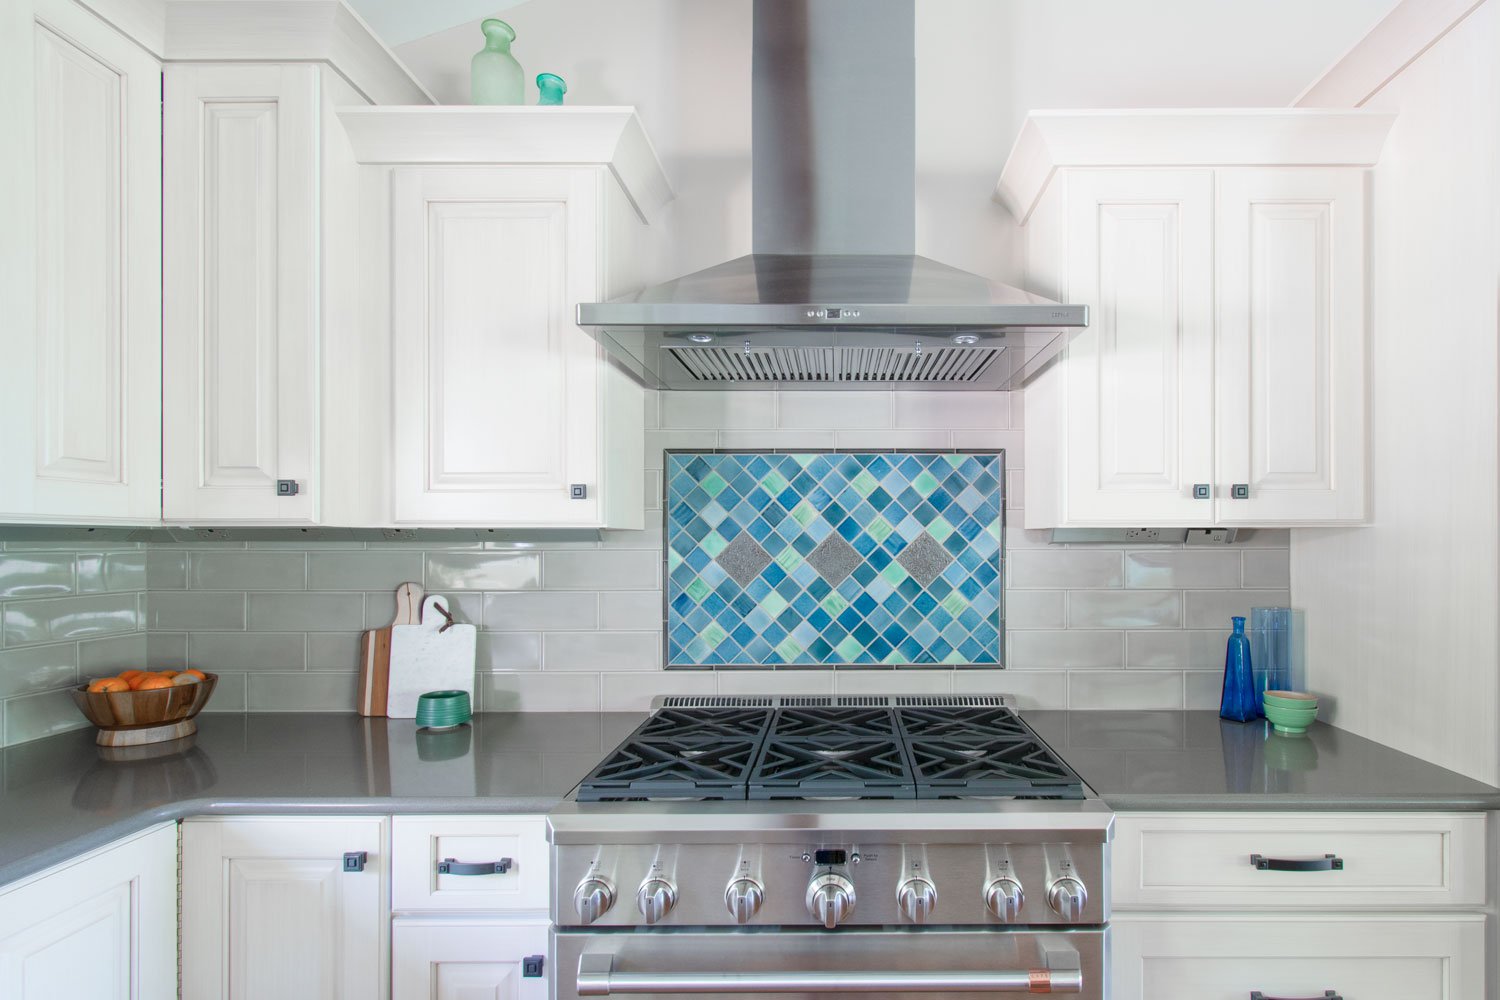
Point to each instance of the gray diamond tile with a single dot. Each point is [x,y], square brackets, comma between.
[925,559]
[834,559]
[743,559]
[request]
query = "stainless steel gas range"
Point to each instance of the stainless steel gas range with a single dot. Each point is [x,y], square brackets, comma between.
[831,845]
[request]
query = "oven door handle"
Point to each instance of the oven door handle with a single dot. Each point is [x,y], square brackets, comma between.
[597,978]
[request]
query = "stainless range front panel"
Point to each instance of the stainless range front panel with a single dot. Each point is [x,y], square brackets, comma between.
[929,964]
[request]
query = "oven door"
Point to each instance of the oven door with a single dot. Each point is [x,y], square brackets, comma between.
[811,963]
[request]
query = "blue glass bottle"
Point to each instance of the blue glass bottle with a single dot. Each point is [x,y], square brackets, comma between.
[1238,700]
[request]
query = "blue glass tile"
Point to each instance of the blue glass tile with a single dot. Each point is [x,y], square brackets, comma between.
[861,496]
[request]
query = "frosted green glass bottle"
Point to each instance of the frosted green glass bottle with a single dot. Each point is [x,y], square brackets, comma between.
[494,75]
[551,87]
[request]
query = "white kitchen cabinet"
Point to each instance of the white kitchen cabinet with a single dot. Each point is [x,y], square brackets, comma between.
[271,912]
[1222,255]
[103,926]
[1202,957]
[80,197]
[420,845]
[260,221]
[500,221]
[469,959]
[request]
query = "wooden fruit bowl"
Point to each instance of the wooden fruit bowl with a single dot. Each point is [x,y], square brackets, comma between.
[130,718]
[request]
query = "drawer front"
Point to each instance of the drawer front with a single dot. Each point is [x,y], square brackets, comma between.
[450,959]
[1285,956]
[419,844]
[1417,860]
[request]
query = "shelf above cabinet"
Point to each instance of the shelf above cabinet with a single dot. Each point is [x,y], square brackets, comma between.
[579,135]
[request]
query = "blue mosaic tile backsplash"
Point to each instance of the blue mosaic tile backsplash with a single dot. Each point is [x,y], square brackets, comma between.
[833,558]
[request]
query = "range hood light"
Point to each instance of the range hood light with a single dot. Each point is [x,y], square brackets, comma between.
[966,339]
[701,338]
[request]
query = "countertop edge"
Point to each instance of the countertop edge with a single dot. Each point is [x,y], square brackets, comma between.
[1209,802]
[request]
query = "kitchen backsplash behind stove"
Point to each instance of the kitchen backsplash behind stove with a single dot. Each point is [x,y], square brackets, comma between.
[576,625]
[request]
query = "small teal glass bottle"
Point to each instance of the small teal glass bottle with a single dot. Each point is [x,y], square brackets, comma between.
[550,89]
[1238,700]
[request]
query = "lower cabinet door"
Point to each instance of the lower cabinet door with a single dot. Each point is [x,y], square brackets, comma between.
[1202,957]
[102,928]
[442,959]
[273,910]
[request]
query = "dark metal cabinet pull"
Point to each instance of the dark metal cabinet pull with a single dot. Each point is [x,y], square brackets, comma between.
[452,866]
[355,861]
[1327,863]
[1326,995]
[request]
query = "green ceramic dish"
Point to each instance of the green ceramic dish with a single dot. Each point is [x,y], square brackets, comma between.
[443,709]
[1290,720]
[1291,699]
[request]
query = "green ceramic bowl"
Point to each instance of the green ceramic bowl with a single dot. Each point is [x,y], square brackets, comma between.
[443,709]
[1290,720]
[1291,699]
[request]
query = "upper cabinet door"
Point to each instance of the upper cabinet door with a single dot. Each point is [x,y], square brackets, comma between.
[498,394]
[80,190]
[241,327]
[1291,373]
[1137,394]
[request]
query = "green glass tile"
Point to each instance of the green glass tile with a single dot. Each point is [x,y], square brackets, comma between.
[924,483]
[804,460]
[789,559]
[773,604]
[879,528]
[789,649]
[956,460]
[996,529]
[698,590]
[955,603]
[894,574]
[940,528]
[804,513]
[713,543]
[864,484]
[673,559]
[713,635]
[834,604]
[849,648]
[713,484]
[893,656]
[773,482]
[954,657]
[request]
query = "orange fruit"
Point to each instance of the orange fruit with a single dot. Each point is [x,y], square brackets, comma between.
[196,673]
[153,683]
[184,678]
[126,675]
[168,674]
[109,684]
[139,679]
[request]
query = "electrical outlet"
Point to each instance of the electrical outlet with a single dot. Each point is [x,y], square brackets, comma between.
[1210,536]
[398,534]
[1143,534]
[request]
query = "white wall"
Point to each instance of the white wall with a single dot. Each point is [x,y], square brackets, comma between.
[981,65]
[1402,615]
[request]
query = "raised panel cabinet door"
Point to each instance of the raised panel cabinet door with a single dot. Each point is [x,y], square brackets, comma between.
[1137,407]
[80,273]
[240,243]
[1201,957]
[483,960]
[1291,368]
[269,911]
[497,391]
[103,927]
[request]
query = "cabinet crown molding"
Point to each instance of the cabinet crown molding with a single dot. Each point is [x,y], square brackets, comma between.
[1197,137]
[291,31]
[612,137]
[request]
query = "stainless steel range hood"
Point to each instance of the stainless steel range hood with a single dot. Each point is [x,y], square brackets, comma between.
[833,295]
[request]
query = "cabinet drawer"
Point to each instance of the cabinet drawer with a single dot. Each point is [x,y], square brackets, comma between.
[1418,860]
[1290,955]
[421,843]
[446,959]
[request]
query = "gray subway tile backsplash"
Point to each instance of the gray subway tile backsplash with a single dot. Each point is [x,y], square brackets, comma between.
[572,622]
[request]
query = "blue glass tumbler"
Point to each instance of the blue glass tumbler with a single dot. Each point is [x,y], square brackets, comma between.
[1238,700]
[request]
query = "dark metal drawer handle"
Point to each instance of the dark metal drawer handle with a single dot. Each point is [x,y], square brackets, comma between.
[452,866]
[1327,863]
[1326,995]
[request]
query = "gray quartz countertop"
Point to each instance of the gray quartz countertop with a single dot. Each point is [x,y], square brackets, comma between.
[63,796]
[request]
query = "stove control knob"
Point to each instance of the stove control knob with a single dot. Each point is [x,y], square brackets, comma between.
[1005,897]
[830,899]
[593,896]
[654,898]
[743,897]
[917,897]
[1068,897]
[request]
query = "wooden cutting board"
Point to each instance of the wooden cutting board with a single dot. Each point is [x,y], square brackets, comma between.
[375,652]
[436,654]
